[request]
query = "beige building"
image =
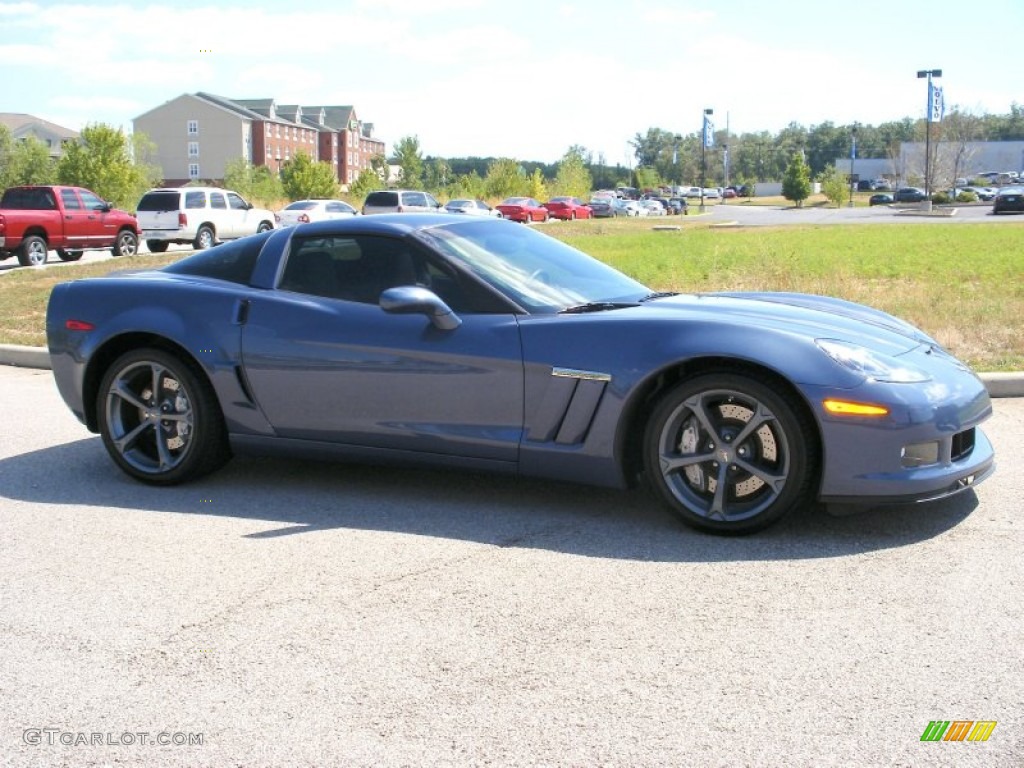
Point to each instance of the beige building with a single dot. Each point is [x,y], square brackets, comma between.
[197,135]
[50,135]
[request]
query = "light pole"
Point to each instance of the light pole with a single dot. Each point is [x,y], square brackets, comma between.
[707,138]
[853,156]
[725,169]
[929,74]
[675,158]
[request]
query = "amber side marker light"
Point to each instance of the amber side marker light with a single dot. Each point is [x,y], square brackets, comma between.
[848,408]
[78,325]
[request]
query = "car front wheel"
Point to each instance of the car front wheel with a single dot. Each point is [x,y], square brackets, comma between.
[127,244]
[159,418]
[729,453]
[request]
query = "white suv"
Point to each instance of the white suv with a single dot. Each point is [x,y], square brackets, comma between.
[202,216]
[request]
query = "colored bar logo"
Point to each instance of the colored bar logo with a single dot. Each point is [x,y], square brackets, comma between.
[958,730]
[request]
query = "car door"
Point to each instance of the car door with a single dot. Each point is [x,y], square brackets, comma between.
[325,362]
[99,231]
[241,223]
[77,224]
[221,216]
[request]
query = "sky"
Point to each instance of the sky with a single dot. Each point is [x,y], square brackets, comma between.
[526,80]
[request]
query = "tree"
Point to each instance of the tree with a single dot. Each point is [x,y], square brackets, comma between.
[573,179]
[409,159]
[382,170]
[367,181]
[536,188]
[255,183]
[102,161]
[505,178]
[834,186]
[24,162]
[796,183]
[302,178]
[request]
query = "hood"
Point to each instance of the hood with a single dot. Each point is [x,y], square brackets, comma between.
[811,316]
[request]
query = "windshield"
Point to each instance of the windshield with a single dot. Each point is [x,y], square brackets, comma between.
[538,272]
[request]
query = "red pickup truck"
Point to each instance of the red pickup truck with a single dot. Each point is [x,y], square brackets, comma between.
[38,219]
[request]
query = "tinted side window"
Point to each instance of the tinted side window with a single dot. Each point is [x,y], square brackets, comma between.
[194,199]
[236,202]
[91,201]
[70,200]
[217,201]
[415,198]
[232,261]
[352,268]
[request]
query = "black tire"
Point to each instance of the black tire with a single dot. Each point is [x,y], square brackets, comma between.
[204,238]
[66,255]
[126,244]
[265,226]
[157,246]
[32,252]
[159,418]
[730,454]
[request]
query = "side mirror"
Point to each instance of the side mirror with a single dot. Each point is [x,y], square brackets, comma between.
[412,299]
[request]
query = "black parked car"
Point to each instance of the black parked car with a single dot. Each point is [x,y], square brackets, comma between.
[1009,199]
[880,199]
[910,195]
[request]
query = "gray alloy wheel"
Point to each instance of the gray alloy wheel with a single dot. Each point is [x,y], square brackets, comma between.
[127,244]
[32,252]
[264,227]
[204,239]
[729,454]
[159,418]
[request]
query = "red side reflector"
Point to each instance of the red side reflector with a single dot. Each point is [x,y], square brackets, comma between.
[78,325]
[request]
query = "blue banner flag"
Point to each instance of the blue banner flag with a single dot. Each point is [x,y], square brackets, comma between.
[936,104]
[709,132]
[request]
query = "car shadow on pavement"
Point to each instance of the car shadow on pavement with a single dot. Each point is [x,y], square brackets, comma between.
[299,497]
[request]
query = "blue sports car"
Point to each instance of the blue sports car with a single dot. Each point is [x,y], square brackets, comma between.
[478,343]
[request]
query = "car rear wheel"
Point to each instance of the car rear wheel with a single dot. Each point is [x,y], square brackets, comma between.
[66,255]
[204,239]
[156,246]
[729,454]
[159,418]
[127,244]
[264,227]
[32,252]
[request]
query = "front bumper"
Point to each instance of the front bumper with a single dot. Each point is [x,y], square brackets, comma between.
[930,446]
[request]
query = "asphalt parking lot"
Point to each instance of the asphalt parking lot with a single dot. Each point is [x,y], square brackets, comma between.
[289,613]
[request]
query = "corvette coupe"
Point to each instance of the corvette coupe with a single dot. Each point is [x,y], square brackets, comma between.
[477,343]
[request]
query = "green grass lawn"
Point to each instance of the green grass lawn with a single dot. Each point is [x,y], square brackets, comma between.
[963,283]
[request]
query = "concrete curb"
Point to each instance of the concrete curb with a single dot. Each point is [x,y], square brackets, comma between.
[999,384]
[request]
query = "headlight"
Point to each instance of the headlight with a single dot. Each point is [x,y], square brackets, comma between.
[873,365]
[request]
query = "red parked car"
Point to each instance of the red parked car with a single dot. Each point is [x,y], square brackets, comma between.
[568,208]
[524,209]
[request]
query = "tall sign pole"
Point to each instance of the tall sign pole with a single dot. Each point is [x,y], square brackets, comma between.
[707,140]
[933,115]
